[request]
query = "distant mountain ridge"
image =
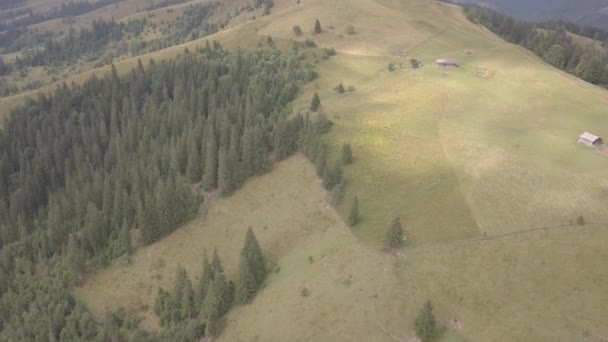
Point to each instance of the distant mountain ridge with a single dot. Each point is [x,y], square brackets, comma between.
[584,12]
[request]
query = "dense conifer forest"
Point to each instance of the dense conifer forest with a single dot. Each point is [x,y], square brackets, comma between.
[551,41]
[91,171]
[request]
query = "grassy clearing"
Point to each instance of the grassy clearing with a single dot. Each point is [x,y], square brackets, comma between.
[284,207]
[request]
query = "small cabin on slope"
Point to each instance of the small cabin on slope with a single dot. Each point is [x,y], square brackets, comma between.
[447,63]
[589,139]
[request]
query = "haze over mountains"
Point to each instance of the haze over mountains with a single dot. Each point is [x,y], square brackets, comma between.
[584,12]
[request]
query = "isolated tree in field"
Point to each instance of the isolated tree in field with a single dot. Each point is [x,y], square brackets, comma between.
[391,67]
[425,324]
[297,30]
[315,102]
[347,154]
[394,236]
[318,28]
[353,217]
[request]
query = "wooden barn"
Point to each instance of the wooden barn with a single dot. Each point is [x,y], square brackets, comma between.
[589,139]
[447,63]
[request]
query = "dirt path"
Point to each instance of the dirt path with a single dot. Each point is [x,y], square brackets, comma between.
[519,232]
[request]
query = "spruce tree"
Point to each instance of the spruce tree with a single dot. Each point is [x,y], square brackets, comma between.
[181,282]
[315,102]
[318,28]
[353,217]
[425,323]
[223,173]
[347,154]
[187,300]
[394,236]
[321,162]
[204,282]
[216,263]
[210,176]
[246,285]
[210,313]
[252,268]
[75,256]
[124,239]
[194,164]
[255,256]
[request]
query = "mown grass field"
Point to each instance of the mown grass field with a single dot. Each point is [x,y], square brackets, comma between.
[483,150]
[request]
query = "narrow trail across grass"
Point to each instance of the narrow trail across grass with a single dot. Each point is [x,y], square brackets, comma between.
[501,236]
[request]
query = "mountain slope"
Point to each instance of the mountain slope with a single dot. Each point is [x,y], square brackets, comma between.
[584,12]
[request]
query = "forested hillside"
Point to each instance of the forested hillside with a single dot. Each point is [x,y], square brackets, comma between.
[551,41]
[583,12]
[89,168]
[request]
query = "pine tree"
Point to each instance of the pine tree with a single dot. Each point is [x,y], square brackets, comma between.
[187,300]
[223,173]
[211,163]
[252,268]
[194,164]
[246,285]
[353,217]
[394,236]
[318,28]
[75,256]
[425,323]
[124,239]
[204,282]
[179,288]
[315,102]
[216,263]
[321,162]
[347,154]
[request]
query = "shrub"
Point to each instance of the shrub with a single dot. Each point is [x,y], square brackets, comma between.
[340,88]
[297,30]
[414,63]
[305,292]
[350,29]
[391,67]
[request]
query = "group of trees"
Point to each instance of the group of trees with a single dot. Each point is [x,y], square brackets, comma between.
[14,24]
[551,41]
[86,168]
[196,310]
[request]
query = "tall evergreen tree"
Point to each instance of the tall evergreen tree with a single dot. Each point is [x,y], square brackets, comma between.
[318,28]
[347,154]
[353,217]
[211,163]
[252,268]
[315,102]
[204,282]
[124,239]
[194,164]
[75,256]
[425,323]
[394,236]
